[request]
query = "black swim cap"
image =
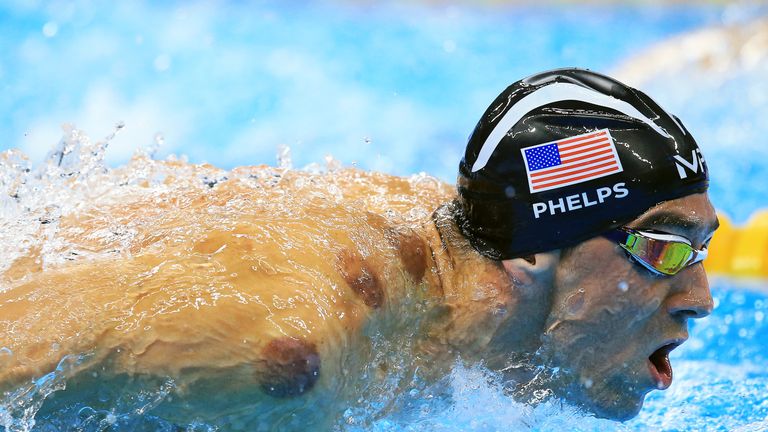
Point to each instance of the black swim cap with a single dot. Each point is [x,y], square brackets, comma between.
[565,155]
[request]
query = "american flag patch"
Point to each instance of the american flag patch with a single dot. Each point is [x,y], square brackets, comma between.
[570,161]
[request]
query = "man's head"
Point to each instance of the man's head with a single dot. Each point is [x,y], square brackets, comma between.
[612,321]
[590,191]
[562,156]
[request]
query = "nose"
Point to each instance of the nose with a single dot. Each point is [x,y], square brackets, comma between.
[691,297]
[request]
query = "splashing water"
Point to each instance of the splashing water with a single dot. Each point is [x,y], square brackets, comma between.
[17,413]
[475,400]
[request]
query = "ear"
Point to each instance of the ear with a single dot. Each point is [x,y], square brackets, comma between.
[533,272]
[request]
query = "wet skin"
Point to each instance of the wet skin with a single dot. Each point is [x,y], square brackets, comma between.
[277,298]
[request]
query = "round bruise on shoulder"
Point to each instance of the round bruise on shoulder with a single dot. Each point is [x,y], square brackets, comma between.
[361,277]
[412,251]
[290,367]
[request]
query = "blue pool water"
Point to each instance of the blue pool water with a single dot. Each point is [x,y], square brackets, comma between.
[397,88]
[392,87]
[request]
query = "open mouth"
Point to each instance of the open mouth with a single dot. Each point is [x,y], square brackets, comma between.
[660,367]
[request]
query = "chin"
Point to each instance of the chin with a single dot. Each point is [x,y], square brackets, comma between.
[618,412]
[610,399]
[619,407]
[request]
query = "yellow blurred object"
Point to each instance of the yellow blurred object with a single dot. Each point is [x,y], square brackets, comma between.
[721,247]
[740,252]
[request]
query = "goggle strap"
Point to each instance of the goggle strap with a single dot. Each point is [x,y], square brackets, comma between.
[698,256]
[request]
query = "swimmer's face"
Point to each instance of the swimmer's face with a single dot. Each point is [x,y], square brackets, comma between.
[613,321]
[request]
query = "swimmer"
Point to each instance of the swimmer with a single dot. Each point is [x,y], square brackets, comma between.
[274,299]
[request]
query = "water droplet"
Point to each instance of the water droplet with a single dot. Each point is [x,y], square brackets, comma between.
[332,164]
[623,286]
[574,304]
[162,62]
[118,127]
[85,412]
[158,141]
[50,29]
[284,159]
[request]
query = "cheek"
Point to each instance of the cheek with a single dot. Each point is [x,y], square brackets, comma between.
[601,310]
[604,314]
[602,285]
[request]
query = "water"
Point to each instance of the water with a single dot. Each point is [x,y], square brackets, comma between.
[395,88]
[392,87]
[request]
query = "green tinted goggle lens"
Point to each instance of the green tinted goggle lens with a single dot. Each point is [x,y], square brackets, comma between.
[662,253]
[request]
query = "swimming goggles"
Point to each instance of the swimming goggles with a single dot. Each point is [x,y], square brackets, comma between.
[660,253]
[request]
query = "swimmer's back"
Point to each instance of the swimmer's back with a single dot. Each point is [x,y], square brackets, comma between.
[266,276]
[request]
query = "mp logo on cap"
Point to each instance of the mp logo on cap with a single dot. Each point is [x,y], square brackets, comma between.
[694,166]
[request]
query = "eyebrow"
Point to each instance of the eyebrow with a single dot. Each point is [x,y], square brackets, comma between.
[669,218]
